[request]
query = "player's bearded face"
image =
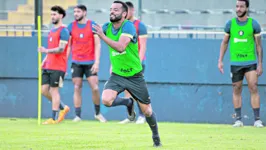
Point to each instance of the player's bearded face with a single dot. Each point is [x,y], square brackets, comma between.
[115,18]
[79,14]
[55,17]
[116,12]
[241,9]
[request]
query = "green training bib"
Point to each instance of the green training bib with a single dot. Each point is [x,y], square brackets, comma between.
[128,62]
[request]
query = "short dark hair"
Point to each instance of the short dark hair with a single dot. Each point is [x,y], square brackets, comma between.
[82,7]
[124,5]
[130,4]
[59,9]
[246,1]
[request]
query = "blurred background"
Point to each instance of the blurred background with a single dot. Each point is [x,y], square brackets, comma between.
[156,14]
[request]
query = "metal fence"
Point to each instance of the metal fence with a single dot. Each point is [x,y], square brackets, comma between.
[189,32]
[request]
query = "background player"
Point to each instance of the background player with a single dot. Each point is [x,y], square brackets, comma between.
[55,64]
[244,36]
[142,42]
[120,35]
[85,47]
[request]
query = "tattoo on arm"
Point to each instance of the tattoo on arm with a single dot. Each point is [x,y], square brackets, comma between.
[59,49]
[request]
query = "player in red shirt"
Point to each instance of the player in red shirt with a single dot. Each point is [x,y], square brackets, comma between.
[85,47]
[55,64]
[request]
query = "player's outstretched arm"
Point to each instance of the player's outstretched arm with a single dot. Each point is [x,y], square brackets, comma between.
[143,45]
[223,48]
[119,46]
[259,50]
[69,46]
[143,36]
[97,42]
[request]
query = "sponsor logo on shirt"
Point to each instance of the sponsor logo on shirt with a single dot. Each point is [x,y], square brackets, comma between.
[236,40]
[117,53]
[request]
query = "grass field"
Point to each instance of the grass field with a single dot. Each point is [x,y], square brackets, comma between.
[25,134]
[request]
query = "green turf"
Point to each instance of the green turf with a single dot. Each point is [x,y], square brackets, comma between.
[25,134]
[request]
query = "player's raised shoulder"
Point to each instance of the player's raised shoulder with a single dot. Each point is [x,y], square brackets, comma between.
[254,21]
[227,27]
[228,22]
[129,24]
[129,27]
[142,24]
[93,22]
[256,27]
[142,30]
[64,36]
[65,30]
[69,27]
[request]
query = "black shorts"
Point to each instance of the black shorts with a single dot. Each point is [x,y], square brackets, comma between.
[54,78]
[238,72]
[78,71]
[135,85]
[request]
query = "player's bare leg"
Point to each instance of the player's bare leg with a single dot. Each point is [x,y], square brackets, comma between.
[110,99]
[125,121]
[77,98]
[141,118]
[55,101]
[46,91]
[252,80]
[47,94]
[151,120]
[55,105]
[93,82]
[237,101]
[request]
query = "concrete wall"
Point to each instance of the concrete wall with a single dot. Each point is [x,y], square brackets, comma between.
[184,82]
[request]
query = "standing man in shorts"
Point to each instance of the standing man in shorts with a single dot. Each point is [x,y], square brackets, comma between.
[243,34]
[55,65]
[85,47]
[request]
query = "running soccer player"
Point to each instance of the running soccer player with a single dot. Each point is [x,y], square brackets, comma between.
[243,34]
[142,42]
[85,47]
[120,35]
[55,64]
